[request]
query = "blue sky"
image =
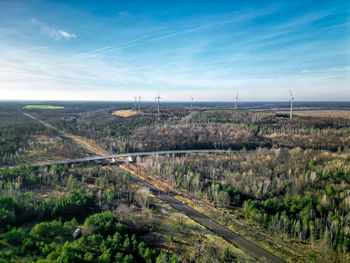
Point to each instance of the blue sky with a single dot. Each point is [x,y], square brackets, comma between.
[115,50]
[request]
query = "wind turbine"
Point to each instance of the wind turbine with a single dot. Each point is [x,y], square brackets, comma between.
[237,99]
[291,100]
[155,102]
[158,98]
[139,103]
[191,102]
[135,103]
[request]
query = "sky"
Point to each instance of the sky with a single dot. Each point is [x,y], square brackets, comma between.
[115,50]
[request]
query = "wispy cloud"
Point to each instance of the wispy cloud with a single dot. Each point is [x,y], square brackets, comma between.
[123,13]
[100,50]
[326,70]
[169,33]
[66,34]
[56,34]
[81,80]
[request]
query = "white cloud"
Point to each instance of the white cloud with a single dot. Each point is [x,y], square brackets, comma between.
[56,34]
[67,35]
[123,13]
[326,70]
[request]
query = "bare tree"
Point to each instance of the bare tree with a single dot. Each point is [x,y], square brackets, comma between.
[142,197]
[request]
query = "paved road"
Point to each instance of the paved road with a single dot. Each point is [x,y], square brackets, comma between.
[110,156]
[236,239]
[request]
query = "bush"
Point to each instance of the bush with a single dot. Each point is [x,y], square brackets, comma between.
[47,230]
[29,246]
[15,236]
[128,259]
[77,204]
[105,257]
[162,258]
[102,223]
[6,217]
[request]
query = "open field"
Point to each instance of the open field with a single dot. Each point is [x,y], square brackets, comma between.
[124,113]
[325,113]
[44,107]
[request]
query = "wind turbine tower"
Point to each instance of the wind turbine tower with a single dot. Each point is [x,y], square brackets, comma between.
[158,99]
[155,102]
[237,99]
[139,103]
[291,100]
[135,103]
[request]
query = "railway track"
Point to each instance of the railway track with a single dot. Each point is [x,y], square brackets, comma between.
[209,223]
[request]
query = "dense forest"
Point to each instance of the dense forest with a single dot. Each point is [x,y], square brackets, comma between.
[37,225]
[41,207]
[176,129]
[302,194]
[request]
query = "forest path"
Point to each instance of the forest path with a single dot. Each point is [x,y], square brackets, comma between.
[188,117]
[89,146]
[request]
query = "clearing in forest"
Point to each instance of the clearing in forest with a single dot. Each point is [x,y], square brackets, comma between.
[326,113]
[124,113]
[45,107]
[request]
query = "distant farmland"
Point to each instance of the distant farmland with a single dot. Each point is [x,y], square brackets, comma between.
[124,113]
[46,107]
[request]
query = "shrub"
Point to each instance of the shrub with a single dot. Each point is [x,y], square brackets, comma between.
[103,223]
[15,236]
[6,217]
[47,230]
[162,258]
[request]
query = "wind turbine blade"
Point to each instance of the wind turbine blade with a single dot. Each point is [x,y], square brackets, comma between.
[290,92]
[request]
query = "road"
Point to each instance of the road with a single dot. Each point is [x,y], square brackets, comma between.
[209,223]
[110,156]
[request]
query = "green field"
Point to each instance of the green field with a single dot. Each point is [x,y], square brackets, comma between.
[46,107]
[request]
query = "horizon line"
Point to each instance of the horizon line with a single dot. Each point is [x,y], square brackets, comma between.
[187,102]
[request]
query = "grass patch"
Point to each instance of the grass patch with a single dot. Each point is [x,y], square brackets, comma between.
[45,107]
[124,113]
